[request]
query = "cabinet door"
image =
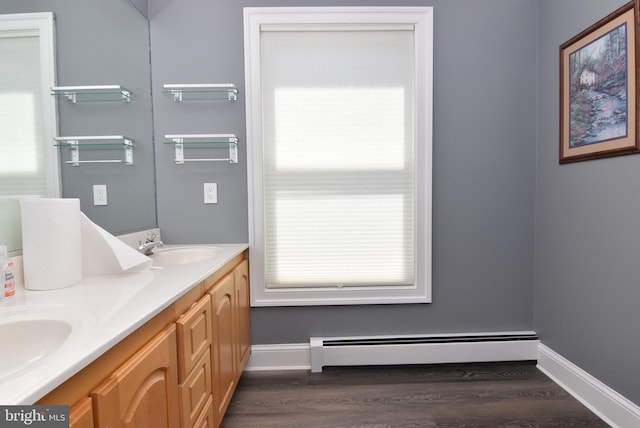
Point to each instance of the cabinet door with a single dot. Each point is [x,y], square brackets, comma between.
[81,414]
[143,392]
[224,344]
[243,322]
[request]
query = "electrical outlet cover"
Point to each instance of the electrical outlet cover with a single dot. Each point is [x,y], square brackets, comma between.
[99,194]
[210,193]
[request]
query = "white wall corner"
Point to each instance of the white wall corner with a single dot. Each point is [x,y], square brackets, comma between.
[609,405]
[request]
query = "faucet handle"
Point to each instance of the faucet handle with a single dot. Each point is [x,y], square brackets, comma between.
[151,237]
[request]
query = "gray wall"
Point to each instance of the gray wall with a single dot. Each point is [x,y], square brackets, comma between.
[142,6]
[484,151]
[104,42]
[587,237]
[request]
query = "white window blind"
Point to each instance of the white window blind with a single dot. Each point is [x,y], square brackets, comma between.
[28,123]
[22,165]
[339,154]
[338,157]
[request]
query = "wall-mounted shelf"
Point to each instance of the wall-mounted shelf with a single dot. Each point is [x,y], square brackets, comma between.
[77,94]
[204,91]
[99,142]
[229,141]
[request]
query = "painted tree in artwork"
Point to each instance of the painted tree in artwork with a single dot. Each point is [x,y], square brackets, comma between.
[598,89]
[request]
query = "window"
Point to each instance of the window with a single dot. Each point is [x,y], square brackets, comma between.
[339,142]
[28,160]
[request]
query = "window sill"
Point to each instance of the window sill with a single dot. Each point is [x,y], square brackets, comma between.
[331,297]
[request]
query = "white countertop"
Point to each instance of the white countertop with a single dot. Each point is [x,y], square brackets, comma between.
[111,307]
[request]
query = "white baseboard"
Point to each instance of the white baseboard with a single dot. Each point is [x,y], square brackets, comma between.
[610,406]
[288,356]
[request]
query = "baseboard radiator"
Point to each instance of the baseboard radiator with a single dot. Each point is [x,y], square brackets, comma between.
[422,349]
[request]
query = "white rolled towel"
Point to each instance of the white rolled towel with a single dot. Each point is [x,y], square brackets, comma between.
[51,243]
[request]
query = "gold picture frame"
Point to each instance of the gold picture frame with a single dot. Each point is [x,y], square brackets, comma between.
[598,89]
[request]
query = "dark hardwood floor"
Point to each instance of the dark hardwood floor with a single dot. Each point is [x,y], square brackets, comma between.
[448,395]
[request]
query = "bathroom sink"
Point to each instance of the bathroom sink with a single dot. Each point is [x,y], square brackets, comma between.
[31,334]
[183,255]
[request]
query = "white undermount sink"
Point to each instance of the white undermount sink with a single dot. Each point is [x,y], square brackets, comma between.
[31,334]
[183,255]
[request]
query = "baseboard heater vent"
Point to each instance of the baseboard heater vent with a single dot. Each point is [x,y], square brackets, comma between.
[422,349]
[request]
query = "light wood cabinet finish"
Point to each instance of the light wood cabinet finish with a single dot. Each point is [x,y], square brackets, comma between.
[243,320]
[194,336]
[195,391]
[81,414]
[157,376]
[143,392]
[206,419]
[224,345]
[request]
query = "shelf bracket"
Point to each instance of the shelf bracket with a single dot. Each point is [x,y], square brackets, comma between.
[177,95]
[179,151]
[74,151]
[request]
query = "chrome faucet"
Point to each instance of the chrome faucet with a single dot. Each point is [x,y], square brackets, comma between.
[147,246]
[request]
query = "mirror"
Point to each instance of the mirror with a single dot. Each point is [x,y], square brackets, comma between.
[101,43]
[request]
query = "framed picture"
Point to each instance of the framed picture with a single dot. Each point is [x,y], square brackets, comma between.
[598,80]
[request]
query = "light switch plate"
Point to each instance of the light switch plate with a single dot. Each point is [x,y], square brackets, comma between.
[99,194]
[210,193]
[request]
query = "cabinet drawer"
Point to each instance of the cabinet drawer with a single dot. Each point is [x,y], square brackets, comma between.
[206,419]
[194,336]
[195,391]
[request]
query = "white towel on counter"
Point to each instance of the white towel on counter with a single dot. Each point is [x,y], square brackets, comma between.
[103,253]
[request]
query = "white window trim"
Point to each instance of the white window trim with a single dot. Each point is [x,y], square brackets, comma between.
[42,25]
[422,19]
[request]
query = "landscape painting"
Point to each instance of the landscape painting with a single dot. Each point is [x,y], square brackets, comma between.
[598,90]
[598,81]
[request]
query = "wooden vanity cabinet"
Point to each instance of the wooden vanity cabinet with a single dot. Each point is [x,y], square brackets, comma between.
[195,392]
[180,369]
[143,392]
[223,348]
[81,414]
[194,362]
[243,316]
[207,418]
[194,329]
[231,345]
